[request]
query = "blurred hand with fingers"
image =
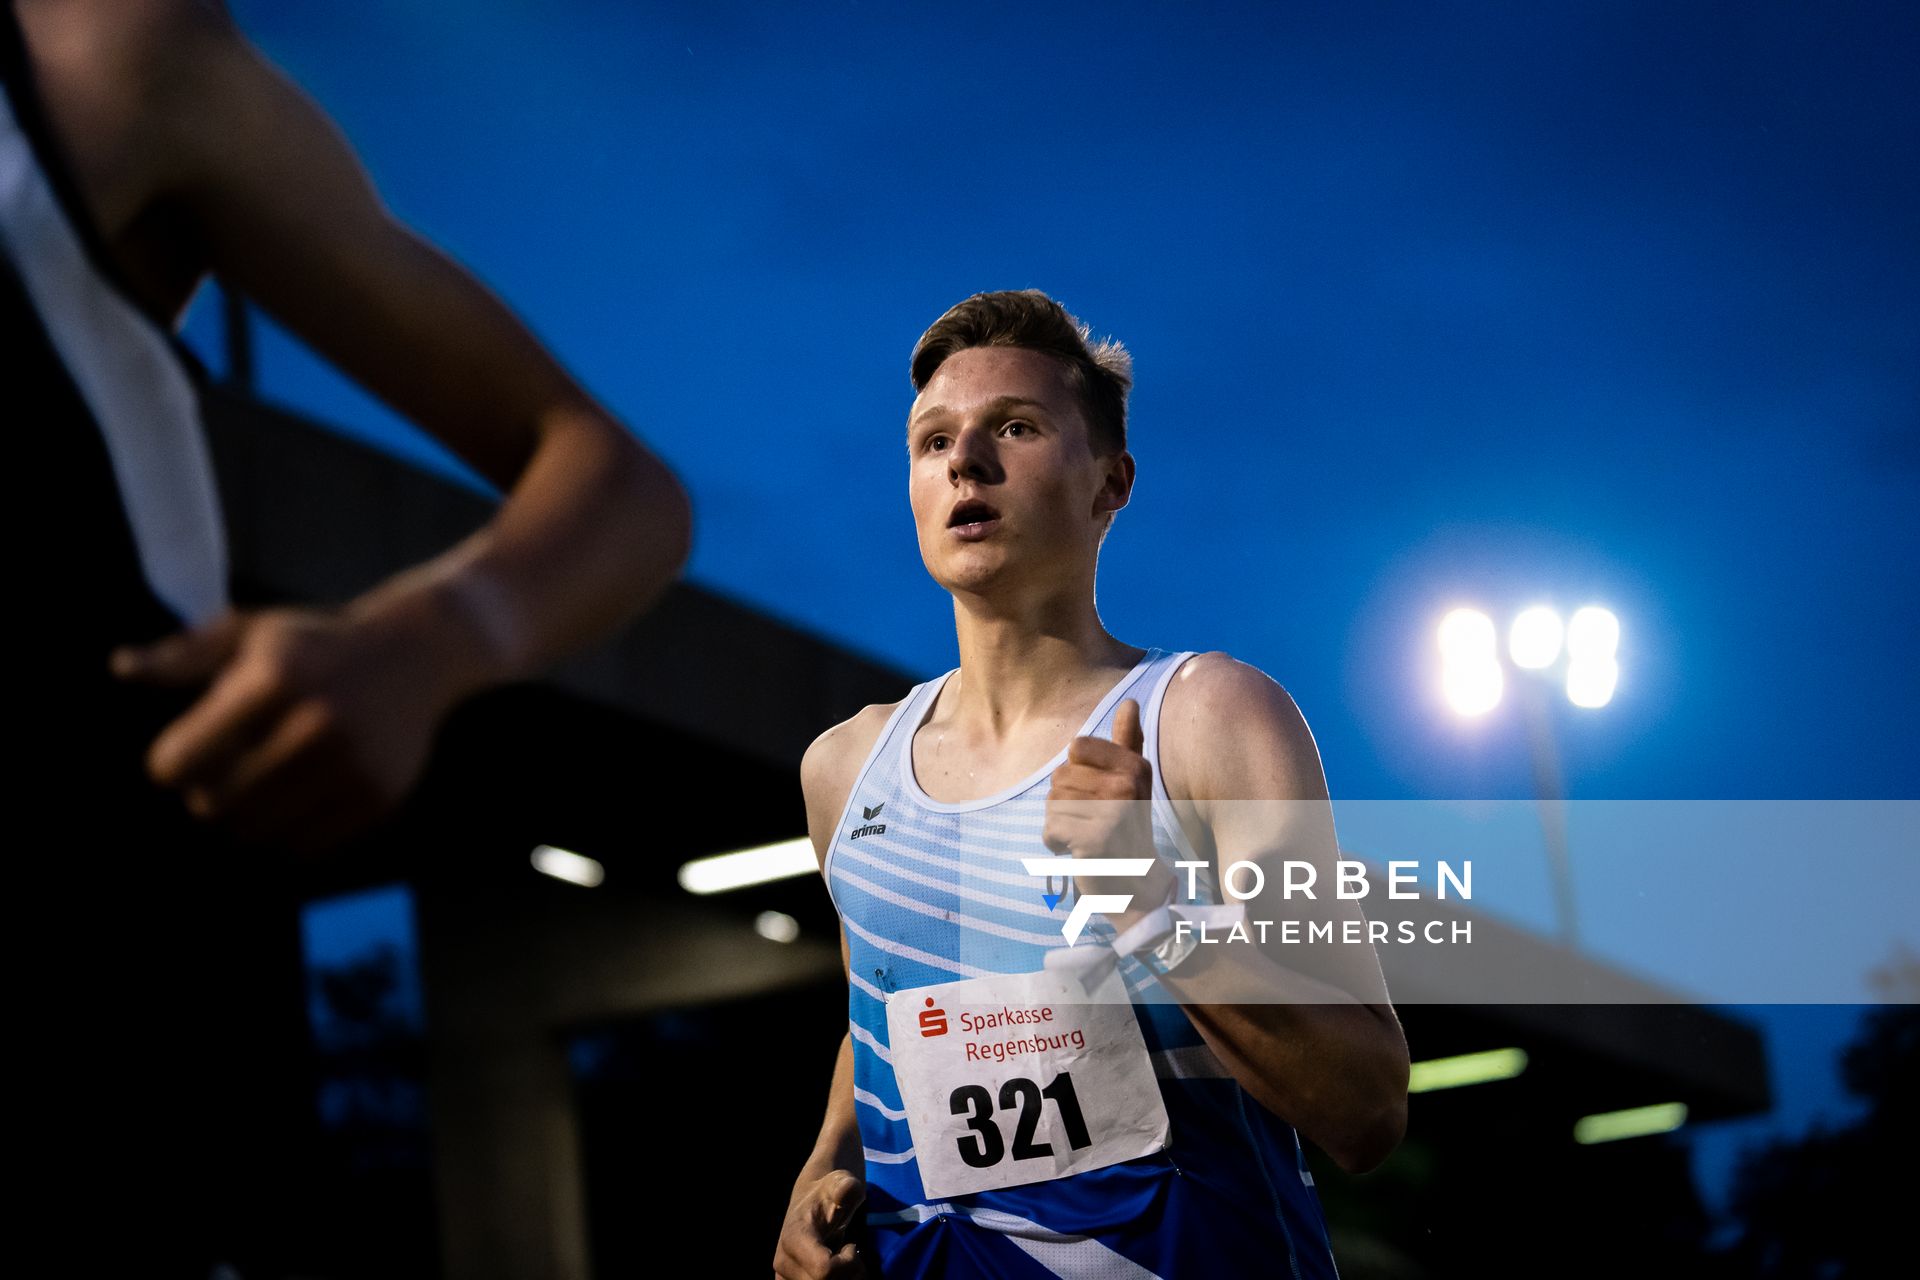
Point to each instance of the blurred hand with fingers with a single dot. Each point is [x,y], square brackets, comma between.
[310,725]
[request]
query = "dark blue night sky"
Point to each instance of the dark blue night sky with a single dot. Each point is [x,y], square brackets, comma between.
[1485,304]
[1490,305]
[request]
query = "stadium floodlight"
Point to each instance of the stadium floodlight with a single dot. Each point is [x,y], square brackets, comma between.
[1591,683]
[1593,633]
[776,926]
[1466,1068]
[1635,1122]
[1473,678]
[565,864]
[1467,637]
[759,865]
[1533,642]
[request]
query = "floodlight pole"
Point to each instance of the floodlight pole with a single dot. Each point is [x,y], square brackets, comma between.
[1549,790]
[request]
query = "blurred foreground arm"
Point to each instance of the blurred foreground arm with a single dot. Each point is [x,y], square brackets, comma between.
[315,722]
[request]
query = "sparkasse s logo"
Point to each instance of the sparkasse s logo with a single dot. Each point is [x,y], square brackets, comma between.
[933,1022]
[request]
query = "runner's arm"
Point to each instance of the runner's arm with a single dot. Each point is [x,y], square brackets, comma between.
[1319,1045]
[838,1146]
[831,1187]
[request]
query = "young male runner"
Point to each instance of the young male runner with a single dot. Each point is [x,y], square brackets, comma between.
[1042,1151]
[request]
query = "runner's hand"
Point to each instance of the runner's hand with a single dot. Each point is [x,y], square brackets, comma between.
[813,1240]
[1100,807]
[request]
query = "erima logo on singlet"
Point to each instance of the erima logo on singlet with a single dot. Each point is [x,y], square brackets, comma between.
[872,828]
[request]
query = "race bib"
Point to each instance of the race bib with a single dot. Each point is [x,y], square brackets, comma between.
[1007,1080]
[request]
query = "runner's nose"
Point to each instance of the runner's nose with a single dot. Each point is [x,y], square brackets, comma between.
[972,458]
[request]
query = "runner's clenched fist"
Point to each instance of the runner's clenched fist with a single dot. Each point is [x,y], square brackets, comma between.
[813,1241]
[1100,806]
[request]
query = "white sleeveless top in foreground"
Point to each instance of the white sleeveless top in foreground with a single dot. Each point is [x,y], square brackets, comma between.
[130,378]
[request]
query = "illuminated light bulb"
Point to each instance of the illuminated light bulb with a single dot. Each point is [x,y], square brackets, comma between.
[1593,633]
[728,871]
[1472,688]
[776,926]
[1467,636]
[1635,1122]
[1465,1069]
[1534,640]
[565,864]
[1590,682]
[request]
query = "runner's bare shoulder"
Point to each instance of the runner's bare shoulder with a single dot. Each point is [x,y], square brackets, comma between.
[1228,728]
[828,768]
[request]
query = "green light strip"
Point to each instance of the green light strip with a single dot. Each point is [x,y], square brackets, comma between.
[1467,1068]
[1636,1122]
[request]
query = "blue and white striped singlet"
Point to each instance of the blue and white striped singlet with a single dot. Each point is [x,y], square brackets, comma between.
[932,892]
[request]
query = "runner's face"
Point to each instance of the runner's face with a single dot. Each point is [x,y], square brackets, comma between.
[1003,483]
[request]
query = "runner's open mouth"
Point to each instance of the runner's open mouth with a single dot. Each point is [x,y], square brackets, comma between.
[972,511]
